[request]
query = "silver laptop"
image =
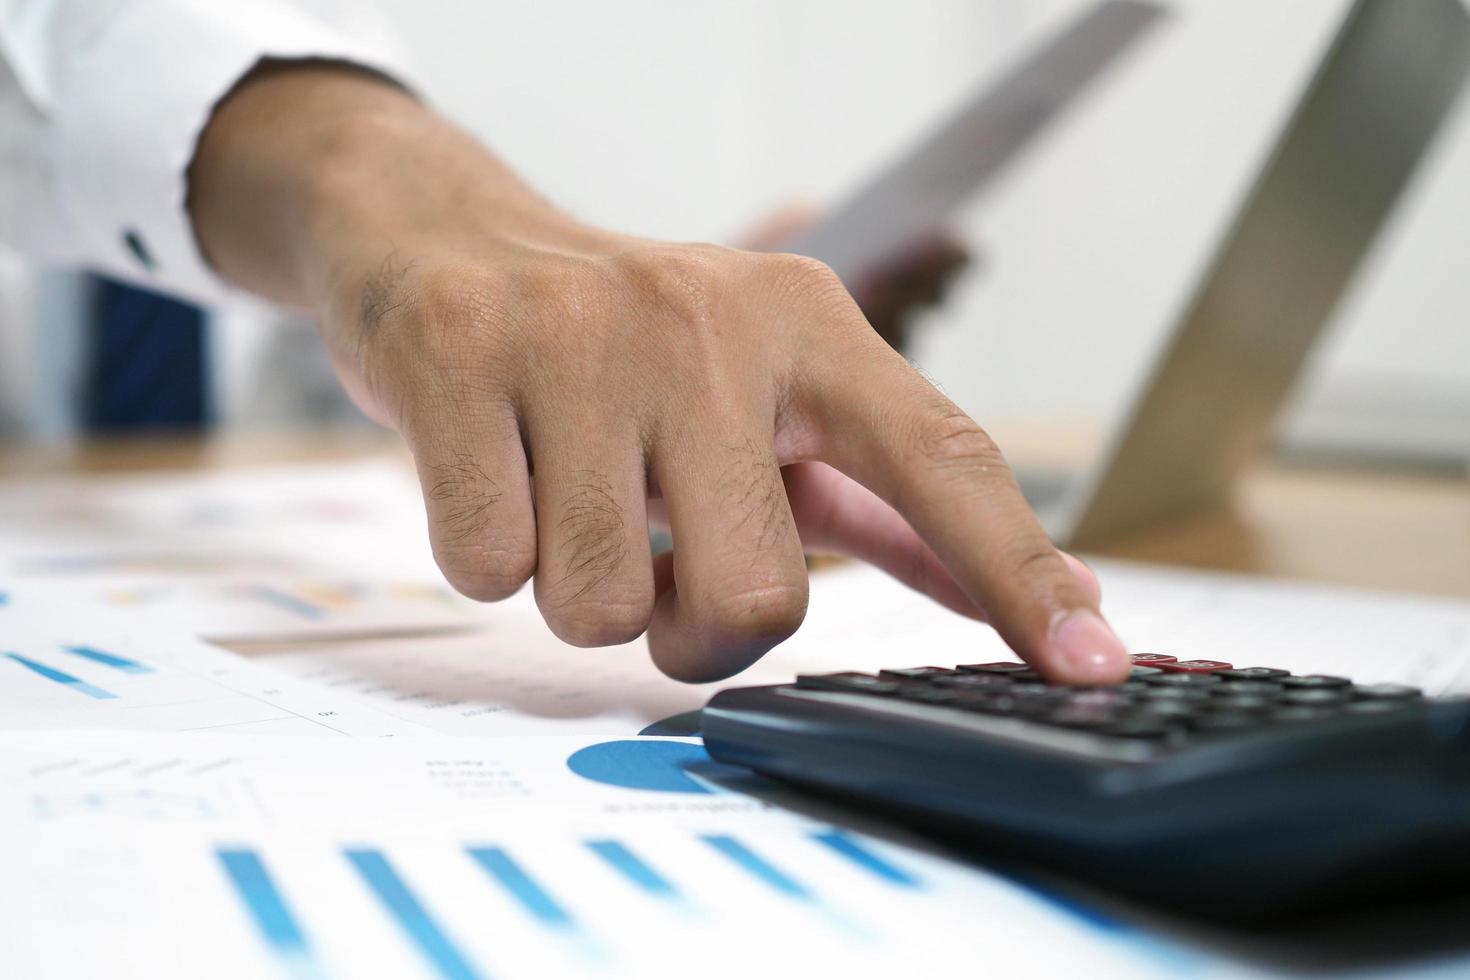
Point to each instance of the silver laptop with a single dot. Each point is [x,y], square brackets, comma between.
[1349,149]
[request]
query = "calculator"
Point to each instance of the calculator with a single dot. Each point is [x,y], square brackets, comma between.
[1250,793]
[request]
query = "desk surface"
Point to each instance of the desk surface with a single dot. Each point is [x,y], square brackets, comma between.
[1377,529]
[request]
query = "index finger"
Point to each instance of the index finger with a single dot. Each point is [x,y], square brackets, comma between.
[890,429]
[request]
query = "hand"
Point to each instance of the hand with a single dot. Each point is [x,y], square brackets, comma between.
[559,384]
[892,295]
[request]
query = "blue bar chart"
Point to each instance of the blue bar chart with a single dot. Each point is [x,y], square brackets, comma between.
[535,899]
[70,681]
[633,868]
[113,660]
[441,952]
[411,898]
[268,909]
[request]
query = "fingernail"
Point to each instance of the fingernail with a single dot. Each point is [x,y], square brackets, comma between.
[1087,648]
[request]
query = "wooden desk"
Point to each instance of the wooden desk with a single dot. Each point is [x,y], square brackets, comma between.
[1387,530]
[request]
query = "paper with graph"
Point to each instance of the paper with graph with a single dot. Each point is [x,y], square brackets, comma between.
[173,857]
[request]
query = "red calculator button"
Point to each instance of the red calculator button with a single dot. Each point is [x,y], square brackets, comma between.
[1153,659]
[1196,666]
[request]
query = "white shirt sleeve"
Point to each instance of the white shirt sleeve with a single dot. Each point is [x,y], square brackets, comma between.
[102,103]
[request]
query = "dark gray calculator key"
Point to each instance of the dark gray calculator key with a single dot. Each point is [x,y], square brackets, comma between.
[1183,680]
[1171,708]
[1252,689]
[1225,721]
[1037,690]
[929,695]
[1177,692]
[1135,686]
[1314,681]
[1081,716]
[915,673]
[1239,703]
[1314,697]
[1387,692]
[847,681]
[1139,670]
[1102,697]
[989,704]
[974,682]
[1252,674]
[1002,667]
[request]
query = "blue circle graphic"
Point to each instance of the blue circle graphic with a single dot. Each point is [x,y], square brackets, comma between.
[648,763]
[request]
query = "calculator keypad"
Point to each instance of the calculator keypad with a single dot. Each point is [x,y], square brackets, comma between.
[1164,698]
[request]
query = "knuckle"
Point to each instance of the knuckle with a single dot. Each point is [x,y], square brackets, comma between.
[456,312]
[681,282]
[954,441]
[760,616]
[808,280]
[601,621]
[484,572]
[564,289]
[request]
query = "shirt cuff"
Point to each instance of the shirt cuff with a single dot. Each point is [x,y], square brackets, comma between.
[140,97]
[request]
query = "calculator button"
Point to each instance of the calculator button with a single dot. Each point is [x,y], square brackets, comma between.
[1238,703]
[1314,697]
[929,695]
[1029,690]
[1195,666]
[1186,679]
[1390,692]
[1082,716]
[1225,721]
[1251,689]
[988,704]
[1176,692]
[848,681]
[1139,670]
[1313,681]
[1152,659]
[1170,708]
[1105,697]
[1003,667]
[915,673]
[974,682]
[1253,674]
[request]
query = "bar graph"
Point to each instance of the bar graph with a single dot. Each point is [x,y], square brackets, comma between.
[287,601]
[70,681]
[535,899]
[758,867]
[431,916]
[273,918]
[638,872]
[418,925]
[112,660]
[849,847]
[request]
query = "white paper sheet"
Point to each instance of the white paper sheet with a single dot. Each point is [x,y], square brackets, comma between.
[65,663]
[513,857]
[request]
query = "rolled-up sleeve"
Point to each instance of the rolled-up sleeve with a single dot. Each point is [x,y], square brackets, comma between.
[105,103]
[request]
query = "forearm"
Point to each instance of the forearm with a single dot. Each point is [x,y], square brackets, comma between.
[309,172]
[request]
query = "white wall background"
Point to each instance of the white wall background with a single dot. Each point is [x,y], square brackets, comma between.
[691,120]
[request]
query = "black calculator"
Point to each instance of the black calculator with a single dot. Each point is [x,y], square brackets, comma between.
[1241,792]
